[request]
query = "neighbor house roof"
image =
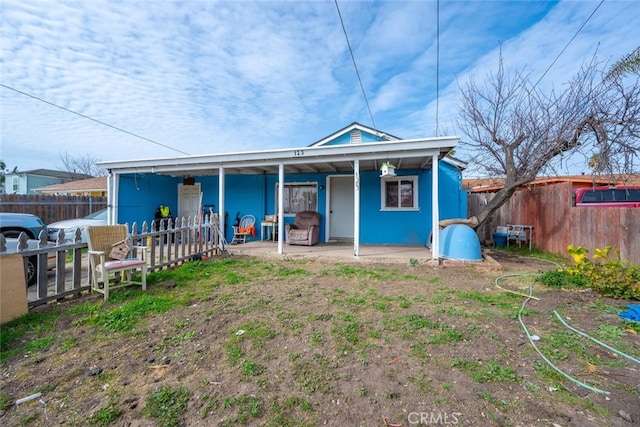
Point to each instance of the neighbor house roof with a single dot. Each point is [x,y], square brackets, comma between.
[98,184]
[51,173]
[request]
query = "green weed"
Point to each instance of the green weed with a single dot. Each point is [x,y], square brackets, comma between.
[600,306]
[607,274]
[19,334]
[124,317]
[167,405]
[251,368]
[105,416]
[247,407]
[561,279]
[233,352]
[352,271]
[317,338]
[559,344]
[312,375]
[610,332]
[493,371]
[422,383]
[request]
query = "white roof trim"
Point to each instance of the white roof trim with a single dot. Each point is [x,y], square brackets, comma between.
[351,127]
[409,148]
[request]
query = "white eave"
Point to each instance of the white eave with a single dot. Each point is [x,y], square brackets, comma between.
[404,154]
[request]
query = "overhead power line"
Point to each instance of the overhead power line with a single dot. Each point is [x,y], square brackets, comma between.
[354,64]
[568,43]
[92,119]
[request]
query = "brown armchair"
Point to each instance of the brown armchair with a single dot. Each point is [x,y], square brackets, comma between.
[306,229]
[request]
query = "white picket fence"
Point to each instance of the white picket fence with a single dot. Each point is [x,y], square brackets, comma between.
[171,244]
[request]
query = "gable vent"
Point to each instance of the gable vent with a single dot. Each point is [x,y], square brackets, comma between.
[356,136]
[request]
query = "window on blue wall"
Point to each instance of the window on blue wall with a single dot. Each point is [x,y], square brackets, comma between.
[299,197]
[399,193]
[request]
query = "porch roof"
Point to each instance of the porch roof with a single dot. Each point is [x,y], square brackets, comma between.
[404,154]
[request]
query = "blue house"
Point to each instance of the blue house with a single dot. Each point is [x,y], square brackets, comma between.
[28,182]
[368,186]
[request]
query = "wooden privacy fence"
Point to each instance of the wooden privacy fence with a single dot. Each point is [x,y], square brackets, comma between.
[557,223]
[52,208]
[172,244]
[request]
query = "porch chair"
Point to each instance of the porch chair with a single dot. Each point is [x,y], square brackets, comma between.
[104,268]
[246,228]
[305,230]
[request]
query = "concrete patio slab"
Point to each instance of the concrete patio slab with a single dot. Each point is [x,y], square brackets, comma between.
[338,251]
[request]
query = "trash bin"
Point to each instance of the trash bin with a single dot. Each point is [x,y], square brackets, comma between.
[500,239]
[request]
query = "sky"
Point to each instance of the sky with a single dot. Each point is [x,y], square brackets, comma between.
[164,78]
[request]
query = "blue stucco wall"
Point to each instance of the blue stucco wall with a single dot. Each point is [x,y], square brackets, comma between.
[141,194]
[409,227]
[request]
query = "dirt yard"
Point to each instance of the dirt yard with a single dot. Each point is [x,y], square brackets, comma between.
[308,343]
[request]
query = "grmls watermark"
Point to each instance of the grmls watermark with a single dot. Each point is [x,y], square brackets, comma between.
[434,418]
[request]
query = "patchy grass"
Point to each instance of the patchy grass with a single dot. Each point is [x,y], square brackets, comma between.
[28,334]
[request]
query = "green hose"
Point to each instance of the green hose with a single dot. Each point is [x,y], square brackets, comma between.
[633,359]
[558,370]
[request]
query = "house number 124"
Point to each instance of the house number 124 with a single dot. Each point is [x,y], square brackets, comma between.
[298,153]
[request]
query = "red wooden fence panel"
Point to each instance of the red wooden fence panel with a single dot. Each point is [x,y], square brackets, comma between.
[558,224]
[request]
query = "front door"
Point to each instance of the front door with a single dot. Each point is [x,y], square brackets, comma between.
[341,207]
[188,200]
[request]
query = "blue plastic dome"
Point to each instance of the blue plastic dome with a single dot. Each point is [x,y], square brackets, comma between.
[460,242]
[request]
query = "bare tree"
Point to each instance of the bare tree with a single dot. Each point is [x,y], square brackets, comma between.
[517,132]
[83,164]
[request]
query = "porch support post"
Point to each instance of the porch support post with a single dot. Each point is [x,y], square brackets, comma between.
[435,210]
[280,209]
[221,186]
[112,197]
[356,208]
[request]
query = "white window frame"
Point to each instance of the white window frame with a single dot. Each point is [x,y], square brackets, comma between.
[398,179]
[290,185]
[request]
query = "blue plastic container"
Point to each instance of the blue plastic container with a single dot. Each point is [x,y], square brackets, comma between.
[500,239]
[460,242]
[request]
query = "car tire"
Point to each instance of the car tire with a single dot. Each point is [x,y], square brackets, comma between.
[32,270]
[14,233]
